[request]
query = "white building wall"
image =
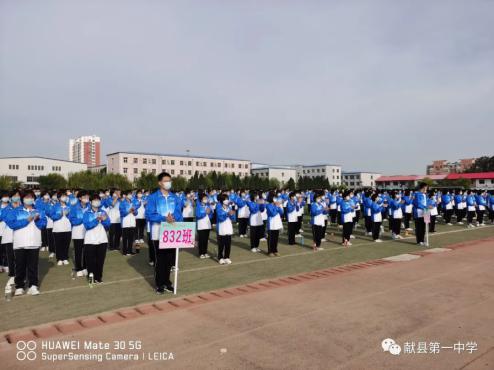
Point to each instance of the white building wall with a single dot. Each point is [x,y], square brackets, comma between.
[28,169]
[360,179]
[133,164]
[280,174]
[332,172]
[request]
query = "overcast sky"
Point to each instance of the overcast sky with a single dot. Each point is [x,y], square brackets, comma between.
[371,85]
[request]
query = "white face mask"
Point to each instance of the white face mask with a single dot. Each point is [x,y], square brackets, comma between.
[225,202]
[96,203]
[167,185]
[46,197]
[5,199]
[139,196]
[63,198]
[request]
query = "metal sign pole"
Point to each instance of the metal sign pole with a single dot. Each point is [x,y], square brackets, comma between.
[175,281]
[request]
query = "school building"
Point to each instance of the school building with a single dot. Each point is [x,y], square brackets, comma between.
[330,171]
[27,170]
[132,164]
[359,179]
[280,173]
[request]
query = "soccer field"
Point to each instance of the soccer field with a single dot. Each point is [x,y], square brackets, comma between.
[129,280]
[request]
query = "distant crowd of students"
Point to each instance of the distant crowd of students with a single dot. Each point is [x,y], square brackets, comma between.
[113,220]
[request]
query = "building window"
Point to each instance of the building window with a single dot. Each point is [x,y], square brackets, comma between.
[172,162]
[153,161]
[135,170]
[163,162]
[125,170]
[153,170]
[204,164]
[189,163]
[197,164]
[181,163]
[482,182]
[173,171]
[125,159]
[181,172]
[190,172]
[144,171]
[135,160]
[144,161]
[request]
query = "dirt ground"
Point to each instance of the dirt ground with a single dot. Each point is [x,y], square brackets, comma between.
[331,323]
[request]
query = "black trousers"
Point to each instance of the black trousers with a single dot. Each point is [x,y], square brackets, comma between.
[62,243]
[188,219]
[300,222]
[395,225]
[3,254]
[255,235]
[491,215]
[432,225]
[419,230]
[79,254]
[44,237]
[347,231]
[114,236]
[264,223]
[203,239]
[224,246]
[406,222]
[9,249]
[292,231]
[95,255]
[26,262]
[447,215]
[273,236]
[368,224]
[164,260]
[460,214]
[51,240]
[152,256]
[317,233]
[127,239]
[140,225]
[470,216]
[376,229]
[480,217]
[333,213]
[324,228]
[242,226]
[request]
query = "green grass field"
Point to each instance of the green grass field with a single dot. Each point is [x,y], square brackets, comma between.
[129,280]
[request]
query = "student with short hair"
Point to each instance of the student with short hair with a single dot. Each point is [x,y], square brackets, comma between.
[377,208]
[396,214]
[256,208]
[128,212]
[346,210]
[243,212]
[76,216]
[96,222]
[140,217]
[275,212]
[26,222]
[292,210]
[317,211]
[204,213]
[432,204]
[225,216]
[112,206]
[62,229]
[471,208]
[419,208]
[10,201]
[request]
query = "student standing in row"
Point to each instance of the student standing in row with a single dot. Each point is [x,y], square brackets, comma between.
[225,216]
[292,209]
[460,206]
[96,222]
[317,211]
[188,207]
[346,209]
[112,204]
[163,206]
[9,203]
[203,219]
[432,205]
[447,203]
[27,224]
[396,212]
[243,213]
[128,213]
[256,208]
[275,213]
[76,215]
[377,209]
[140,217]
[419,208]
[62,229]
[471,208]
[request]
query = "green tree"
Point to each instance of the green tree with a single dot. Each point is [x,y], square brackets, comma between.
[290,184]
[6,183]
[147,181]
[86,180]
[179,183]
[52,181]
[116,180]
[482,164]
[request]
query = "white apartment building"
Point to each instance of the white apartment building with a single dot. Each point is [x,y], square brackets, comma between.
[331,171]
[358,179]
[85,149]
[282,174]
[132,164]
[27,170]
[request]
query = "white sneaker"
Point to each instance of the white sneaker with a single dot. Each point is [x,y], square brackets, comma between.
[173,268]
[79,274]
[263,239]
[378,241]
[228,261]
[399,237]
[65,262]
[242,236]
[33,290]
[352,236]
[60,263]
[6,268]
[258,250]
[207,256]
[11,281]
[422,244]
[393,236]
[51,255]
[19,291]
[301,231]
[320,248]
[323,240]
[202,256]
[253,250]
[460,223]
[298,235]
[449,224]
[221,261]
[151,263]
[349,243]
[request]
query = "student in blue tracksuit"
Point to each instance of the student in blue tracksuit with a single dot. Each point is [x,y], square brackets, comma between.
[128,211]
[76,213]
[459,206]
[419,208]
[243,213]
[491,206]
[203,214]
[96,222]
[317,211]
[140,217]
[377,208]
[256,225]
[43,202]
[274,210]
[163,206]
[4,207]
[367,203]
[481,200]
[471,207]
[26,222]
[62,229]
[407,209]
[292,210]
[432,205]
[225,216]
[395,205]
[347,207]
[447,203]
